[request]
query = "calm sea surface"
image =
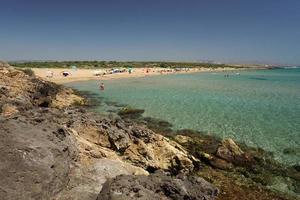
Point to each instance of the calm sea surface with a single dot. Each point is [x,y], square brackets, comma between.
[260,108]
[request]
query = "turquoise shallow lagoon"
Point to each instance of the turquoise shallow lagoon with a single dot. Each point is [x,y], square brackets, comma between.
[260,108]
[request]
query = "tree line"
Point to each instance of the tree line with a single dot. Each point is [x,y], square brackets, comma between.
[114,64]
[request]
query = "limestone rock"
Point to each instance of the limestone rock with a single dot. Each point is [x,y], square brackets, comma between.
[182,139]
[157,186]
[66,98]
[135,144]
[119,139]
[229,150]
[86,180]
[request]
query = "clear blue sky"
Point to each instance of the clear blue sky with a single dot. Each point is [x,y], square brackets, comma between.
[187,30]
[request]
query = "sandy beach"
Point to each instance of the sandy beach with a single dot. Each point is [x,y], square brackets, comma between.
[89,74]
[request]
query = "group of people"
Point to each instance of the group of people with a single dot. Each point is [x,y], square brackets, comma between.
[50,74]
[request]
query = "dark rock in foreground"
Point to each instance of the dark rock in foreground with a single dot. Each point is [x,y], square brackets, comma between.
[35,163]
[157,186]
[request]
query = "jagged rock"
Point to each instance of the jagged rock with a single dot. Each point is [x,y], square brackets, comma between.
[132,112]
[119,139]
[229,150]
[136,144]
[182,139]
[144,134]
[157,186]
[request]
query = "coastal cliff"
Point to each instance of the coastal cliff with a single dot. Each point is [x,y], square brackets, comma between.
[51,147]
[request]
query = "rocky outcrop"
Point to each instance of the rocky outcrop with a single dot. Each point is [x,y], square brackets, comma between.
[19,88]
[133,143]
[229,150]
[51,149]
[239,170]
[221,154]
[157,186]
[86,179]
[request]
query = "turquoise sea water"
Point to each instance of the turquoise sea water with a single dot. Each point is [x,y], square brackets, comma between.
[260,108]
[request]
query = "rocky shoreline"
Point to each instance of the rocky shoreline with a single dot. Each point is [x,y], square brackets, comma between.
[225,162]
[53,148]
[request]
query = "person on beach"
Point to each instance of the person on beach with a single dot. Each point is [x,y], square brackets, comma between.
[101,86]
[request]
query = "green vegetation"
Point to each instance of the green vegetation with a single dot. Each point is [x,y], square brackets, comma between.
[114,64]
[29,72]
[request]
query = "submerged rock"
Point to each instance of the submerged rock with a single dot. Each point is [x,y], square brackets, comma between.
[297,167]
[181,139]
[159,126]
[157,186]
[131,112]
[291,151]
[243,166]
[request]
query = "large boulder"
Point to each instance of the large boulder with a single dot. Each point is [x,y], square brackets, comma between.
[35,162]
[157,186]
[86,179]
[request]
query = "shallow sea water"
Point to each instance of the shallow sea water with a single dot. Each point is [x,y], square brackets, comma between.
[260,108]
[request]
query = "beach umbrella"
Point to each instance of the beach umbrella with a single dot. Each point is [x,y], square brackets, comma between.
[73,67]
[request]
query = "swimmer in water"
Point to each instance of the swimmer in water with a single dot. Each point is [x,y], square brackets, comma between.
[101,87]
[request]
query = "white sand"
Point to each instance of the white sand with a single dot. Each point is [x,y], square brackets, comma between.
[88,74]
